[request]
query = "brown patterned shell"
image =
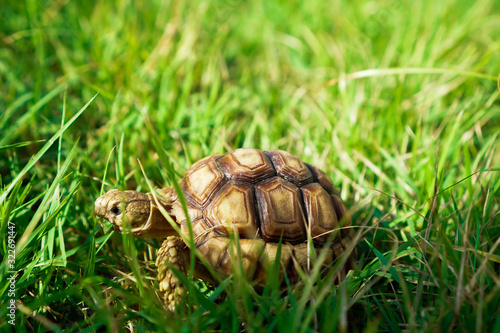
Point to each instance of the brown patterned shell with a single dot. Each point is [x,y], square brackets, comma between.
[263,197]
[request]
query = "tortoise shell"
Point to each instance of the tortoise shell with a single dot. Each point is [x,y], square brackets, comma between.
[263,198]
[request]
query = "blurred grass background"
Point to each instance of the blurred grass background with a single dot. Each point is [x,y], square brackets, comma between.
[398,101]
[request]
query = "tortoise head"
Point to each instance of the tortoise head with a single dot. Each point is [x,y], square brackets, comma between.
[139,210]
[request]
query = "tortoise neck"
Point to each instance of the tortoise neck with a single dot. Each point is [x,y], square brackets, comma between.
[158,225]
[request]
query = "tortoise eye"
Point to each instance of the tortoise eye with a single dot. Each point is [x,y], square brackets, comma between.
[115,210]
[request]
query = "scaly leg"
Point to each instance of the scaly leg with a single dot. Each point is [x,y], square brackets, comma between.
[173,252]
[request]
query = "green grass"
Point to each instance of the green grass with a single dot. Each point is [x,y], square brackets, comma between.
[398,101]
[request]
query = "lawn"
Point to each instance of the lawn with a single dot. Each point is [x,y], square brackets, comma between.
[397,101]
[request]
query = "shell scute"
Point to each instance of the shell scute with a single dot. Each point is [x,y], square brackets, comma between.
[214,249]
[233,209]
[246,164]
[280,211]
[202,181]
[305,259]
[193,212]
[321,215]
[250,251]
[201,231]
[269,256]
[290,167]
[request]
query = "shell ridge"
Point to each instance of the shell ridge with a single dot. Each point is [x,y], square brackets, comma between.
[305,218]
[258,221]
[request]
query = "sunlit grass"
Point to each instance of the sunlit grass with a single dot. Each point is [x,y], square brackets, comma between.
[397,101]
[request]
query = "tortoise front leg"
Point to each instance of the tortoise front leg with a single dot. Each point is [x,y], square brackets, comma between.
[172,252]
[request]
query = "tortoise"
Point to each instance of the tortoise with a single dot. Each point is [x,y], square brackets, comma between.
[245,204]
